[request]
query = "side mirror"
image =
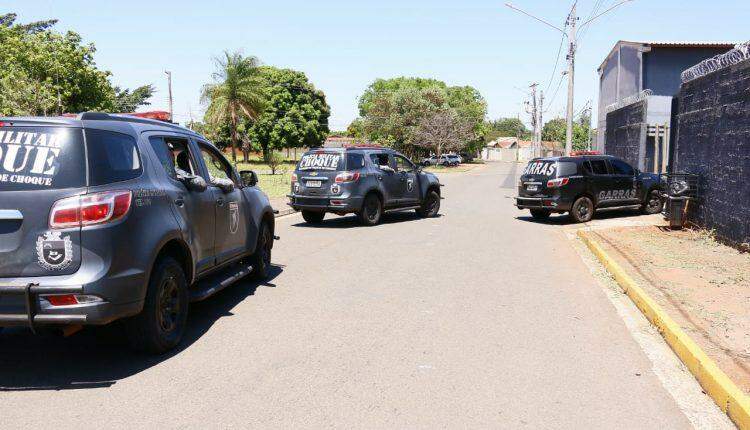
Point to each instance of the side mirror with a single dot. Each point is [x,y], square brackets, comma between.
[194,183]
[224,185]
[249,178]
[388,169]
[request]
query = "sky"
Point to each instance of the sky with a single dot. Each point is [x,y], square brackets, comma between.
[343,46]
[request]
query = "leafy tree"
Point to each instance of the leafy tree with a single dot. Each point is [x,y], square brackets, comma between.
[236,94]
[443,131]
[296,114]
[129,100]
[507,127]
[45,72]
[392,110]
[9,20]
[555,131]
[356,129]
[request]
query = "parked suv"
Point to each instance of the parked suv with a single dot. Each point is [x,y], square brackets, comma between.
[108,217]
[367,181]
[445,160]
[581,185]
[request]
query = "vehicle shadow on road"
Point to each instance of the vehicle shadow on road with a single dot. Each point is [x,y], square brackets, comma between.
[564,219]
[351,221]
[98,356]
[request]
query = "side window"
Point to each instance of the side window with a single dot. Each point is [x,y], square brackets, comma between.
[218,168]
[113,157]
[379,159]
[174,156]
[403,164]
[355,161]
[599,167]
[620,167]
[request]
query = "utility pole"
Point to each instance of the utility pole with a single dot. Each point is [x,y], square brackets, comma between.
[534,117]
[571,25]
[540,121]
[169,85]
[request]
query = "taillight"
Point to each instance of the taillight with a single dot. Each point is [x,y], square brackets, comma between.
[294,177]
[557,183]
[347,177]
[90,209]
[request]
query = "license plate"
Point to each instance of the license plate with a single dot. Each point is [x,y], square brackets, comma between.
[313,184]
[532,187]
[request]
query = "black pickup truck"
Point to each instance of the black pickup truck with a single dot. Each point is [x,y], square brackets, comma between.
[581,185]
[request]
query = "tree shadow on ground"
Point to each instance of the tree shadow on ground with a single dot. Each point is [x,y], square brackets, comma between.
[99,356]
[351,221]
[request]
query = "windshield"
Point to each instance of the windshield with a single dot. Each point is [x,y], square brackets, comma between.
[41,158]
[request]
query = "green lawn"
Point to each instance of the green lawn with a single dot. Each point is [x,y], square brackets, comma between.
[275,185]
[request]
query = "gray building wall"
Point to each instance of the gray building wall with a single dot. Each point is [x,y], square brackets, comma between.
[663,66]
[626,133]
[633,67]
[713,141]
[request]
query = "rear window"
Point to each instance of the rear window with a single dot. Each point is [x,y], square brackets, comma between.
[551,168]
[41,158]
[355,161]
[321,161]
[113,157]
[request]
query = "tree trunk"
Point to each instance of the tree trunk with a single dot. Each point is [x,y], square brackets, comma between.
[234,139]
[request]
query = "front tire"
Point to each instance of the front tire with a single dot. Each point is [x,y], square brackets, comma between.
[313,217]
[160,325]
[430,206]
[583,210]
[540,214]
[372,210]
[261,259]
[653,204]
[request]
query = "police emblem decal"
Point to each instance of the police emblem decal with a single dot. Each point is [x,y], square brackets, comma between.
[234,217]
[410,184]
[53,251]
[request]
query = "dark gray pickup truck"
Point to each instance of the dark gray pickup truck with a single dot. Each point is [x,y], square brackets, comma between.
[365,180]
[108,217]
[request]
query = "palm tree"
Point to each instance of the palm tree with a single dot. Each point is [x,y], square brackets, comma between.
[237,93]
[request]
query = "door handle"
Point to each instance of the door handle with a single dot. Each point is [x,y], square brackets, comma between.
[380,177]
[220,202]
[179,202]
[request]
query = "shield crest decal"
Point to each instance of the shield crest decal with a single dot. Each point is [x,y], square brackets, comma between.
[54,252]
[234,217]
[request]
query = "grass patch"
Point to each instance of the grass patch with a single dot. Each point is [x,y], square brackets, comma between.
[443,169]
[277,185]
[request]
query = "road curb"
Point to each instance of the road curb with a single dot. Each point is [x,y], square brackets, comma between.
[714,381]
[282,212]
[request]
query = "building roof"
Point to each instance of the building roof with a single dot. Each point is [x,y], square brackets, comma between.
[667,44]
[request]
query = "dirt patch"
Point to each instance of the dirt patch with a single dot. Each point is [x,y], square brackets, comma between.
[703,284]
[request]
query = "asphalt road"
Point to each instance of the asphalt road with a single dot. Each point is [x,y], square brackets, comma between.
[477,319]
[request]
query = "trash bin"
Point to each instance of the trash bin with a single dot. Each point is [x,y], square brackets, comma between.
[677,212]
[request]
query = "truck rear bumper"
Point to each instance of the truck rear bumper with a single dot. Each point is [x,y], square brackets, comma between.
[325,204]
[24,305]
[554,204]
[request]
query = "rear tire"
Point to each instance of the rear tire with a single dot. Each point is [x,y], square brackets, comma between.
[583,210]
[261,259]
[430,205]
[160,325]
[313,217]
[540,214]
[653,204]
[372,210]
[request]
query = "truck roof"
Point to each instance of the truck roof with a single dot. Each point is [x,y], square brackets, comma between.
[92,119]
